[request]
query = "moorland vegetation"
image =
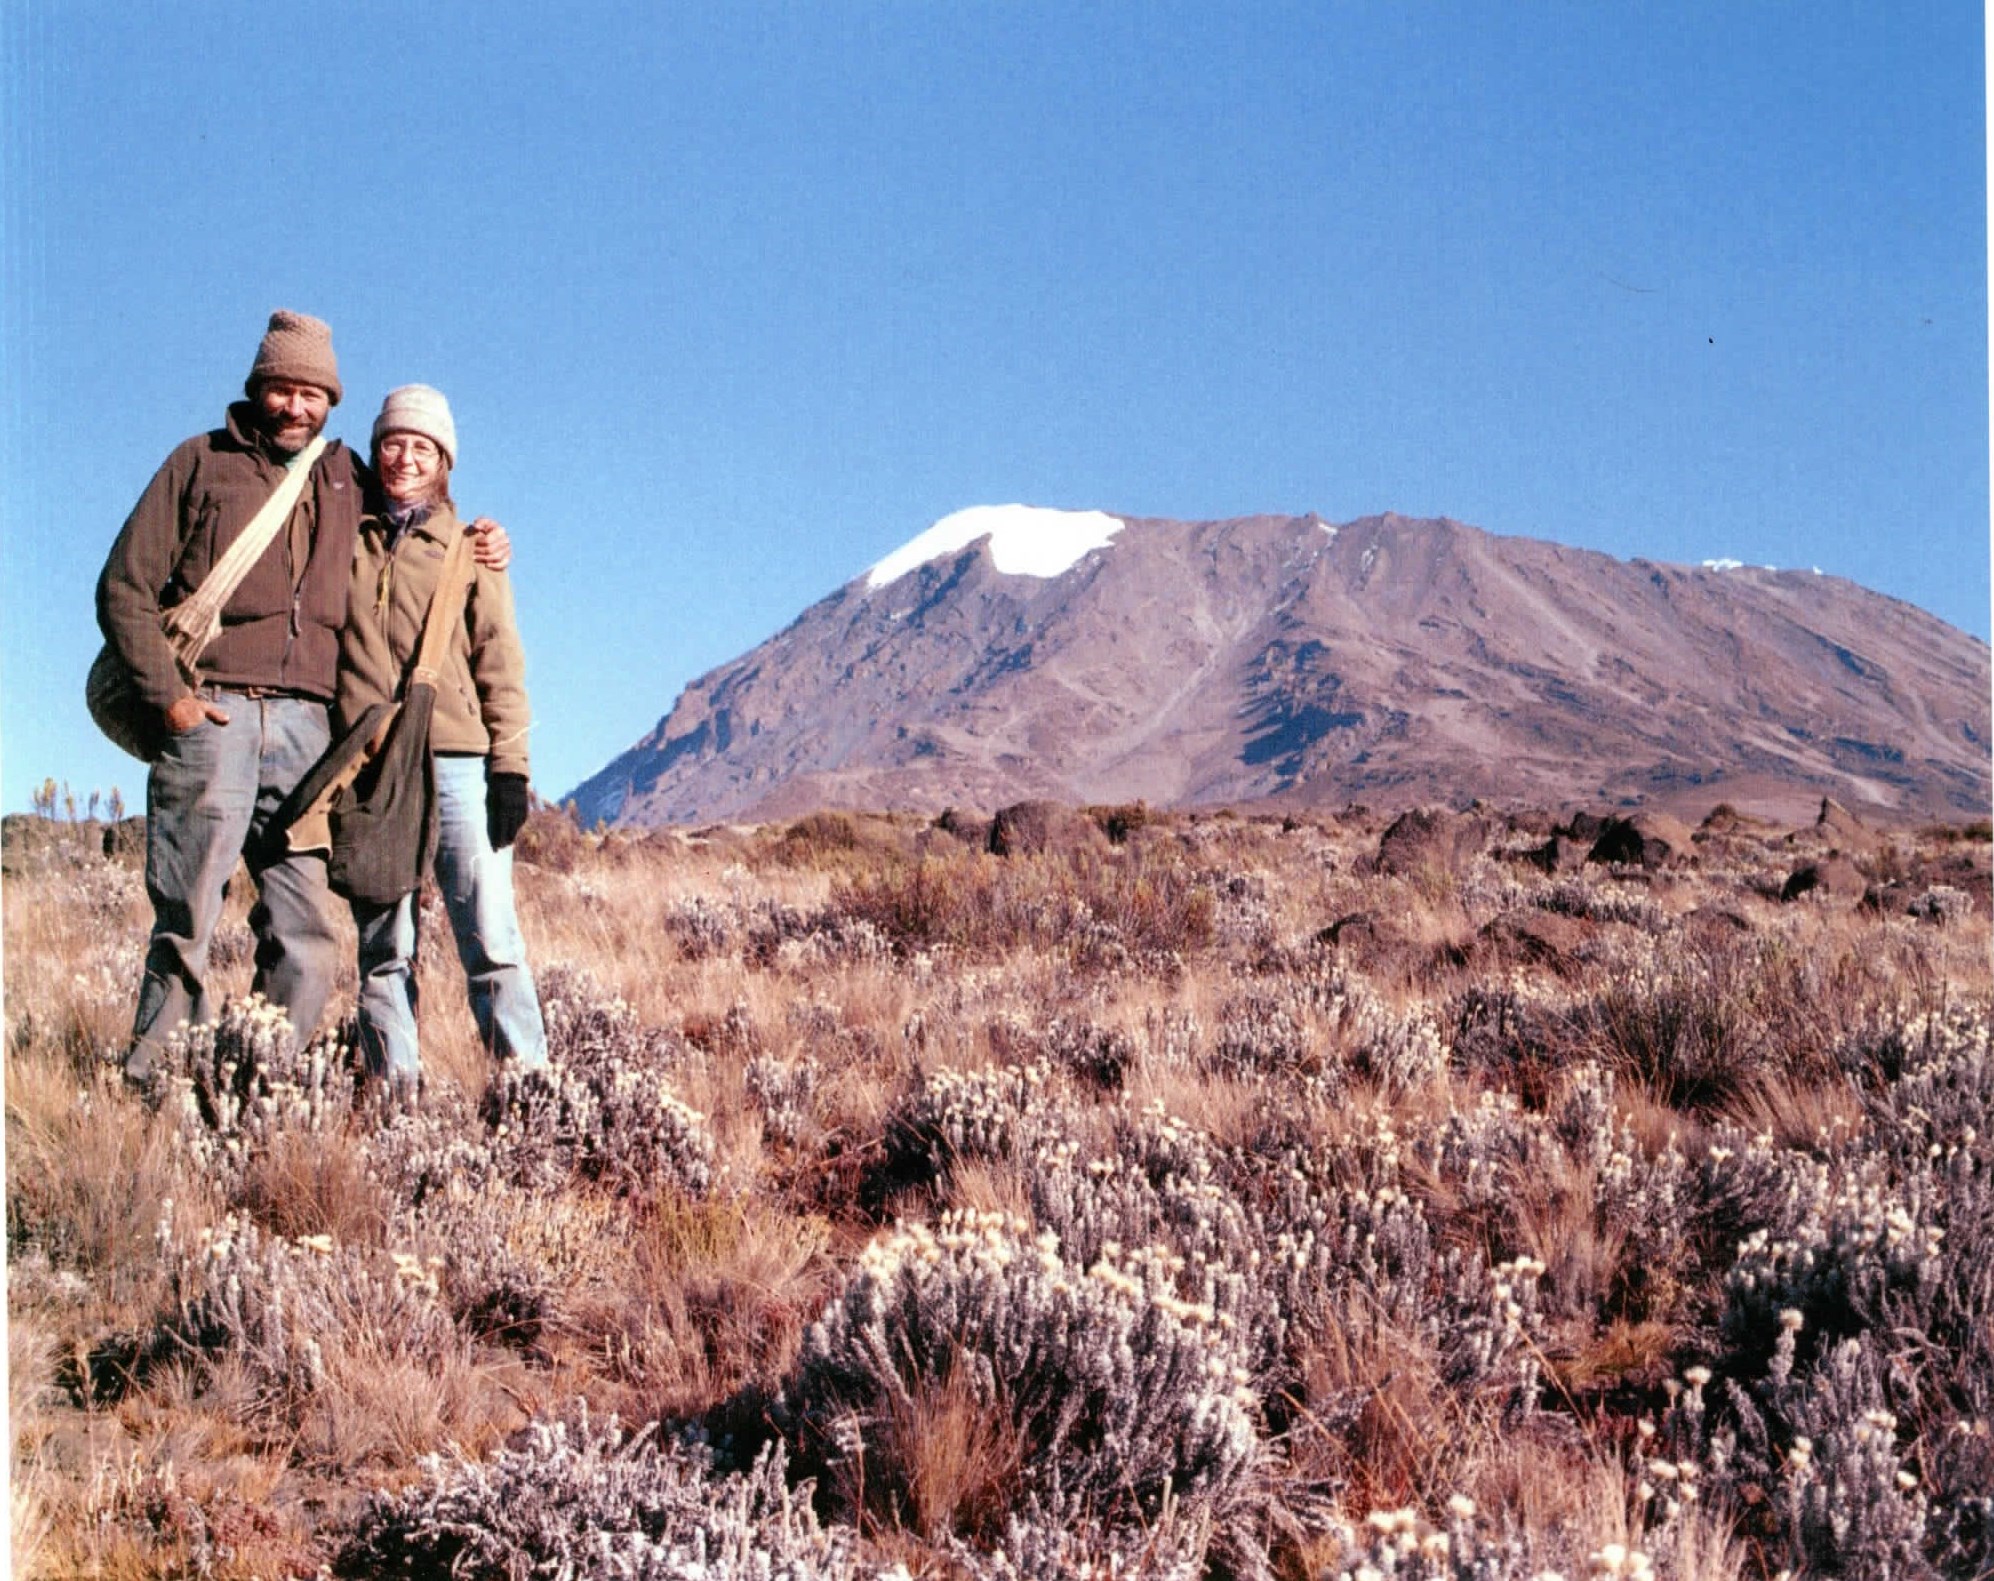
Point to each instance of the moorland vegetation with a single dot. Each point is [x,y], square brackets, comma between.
[1152,1195]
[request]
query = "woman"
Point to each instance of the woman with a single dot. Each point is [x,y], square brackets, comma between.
[478,736]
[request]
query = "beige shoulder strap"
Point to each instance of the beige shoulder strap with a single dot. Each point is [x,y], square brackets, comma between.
[446,606]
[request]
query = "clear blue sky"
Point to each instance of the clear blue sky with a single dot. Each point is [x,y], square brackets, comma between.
[733,299]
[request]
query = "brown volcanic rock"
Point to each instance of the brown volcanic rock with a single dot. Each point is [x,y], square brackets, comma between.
[1029,828]
[1431,837]
[1842,829]
[1834,879]
[1284,662]
[1649,839]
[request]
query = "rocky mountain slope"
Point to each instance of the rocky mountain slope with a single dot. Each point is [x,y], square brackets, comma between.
[1011,653]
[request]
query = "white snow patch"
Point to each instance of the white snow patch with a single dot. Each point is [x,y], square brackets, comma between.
[1329,530]
[1723,565]
[1025,540]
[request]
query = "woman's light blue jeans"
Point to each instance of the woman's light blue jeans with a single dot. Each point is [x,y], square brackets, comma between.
[476,882]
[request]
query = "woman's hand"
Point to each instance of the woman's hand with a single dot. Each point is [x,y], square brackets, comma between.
[490,546]
[506,806]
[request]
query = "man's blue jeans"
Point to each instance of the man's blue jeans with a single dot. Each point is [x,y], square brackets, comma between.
[476,882]
[209,800]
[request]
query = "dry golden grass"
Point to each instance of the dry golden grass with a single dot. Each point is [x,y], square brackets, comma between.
[317,1185]
[87,1171]
[660,1304]
[948,1464]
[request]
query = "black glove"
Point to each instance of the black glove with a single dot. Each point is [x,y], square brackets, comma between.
[505,808]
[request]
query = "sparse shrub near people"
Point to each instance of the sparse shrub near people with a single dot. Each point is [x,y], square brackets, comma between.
[233,1086]
[603,1109]
[293,1313]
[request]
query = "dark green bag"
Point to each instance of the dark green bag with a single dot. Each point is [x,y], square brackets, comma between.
[384,824]
[370,802]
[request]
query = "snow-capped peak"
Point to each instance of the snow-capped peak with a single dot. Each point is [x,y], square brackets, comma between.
[1025,540]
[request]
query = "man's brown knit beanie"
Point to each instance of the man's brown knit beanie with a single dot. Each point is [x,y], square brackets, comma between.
[296,346]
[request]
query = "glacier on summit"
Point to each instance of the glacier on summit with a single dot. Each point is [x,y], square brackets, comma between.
[1025,540]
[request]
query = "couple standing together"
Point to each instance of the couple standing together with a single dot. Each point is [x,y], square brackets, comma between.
[324,624]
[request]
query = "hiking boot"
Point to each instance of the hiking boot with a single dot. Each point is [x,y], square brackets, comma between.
[141,1066]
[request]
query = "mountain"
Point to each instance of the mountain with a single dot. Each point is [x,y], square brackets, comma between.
[1011,652]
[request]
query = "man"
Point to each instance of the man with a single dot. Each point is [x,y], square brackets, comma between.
[254,719]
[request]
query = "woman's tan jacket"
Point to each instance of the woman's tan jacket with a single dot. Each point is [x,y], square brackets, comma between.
[481,705]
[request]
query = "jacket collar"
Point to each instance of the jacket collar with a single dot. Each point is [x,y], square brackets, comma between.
[440,524]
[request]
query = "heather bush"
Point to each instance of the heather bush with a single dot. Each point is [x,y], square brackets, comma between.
[602,1110]
[785,1092]
[700,928]
[233,1086]
[1100,1055]
[283,1312]
[585,1501]
[1942,904]
[1170,1548]
[1597,901]
[1122,1395]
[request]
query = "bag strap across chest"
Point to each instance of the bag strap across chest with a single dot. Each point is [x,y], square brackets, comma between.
[191,624]
[446,606]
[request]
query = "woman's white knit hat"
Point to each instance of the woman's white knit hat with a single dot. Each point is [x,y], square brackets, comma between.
[418,409]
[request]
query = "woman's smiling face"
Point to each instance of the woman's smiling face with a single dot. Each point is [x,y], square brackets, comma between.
[411,467]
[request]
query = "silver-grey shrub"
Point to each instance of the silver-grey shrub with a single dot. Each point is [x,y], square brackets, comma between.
[784,1091]
[603,1110]
[1172,1548]
[1125,1396]
[277,1306]
[584,1502]
[234,1085]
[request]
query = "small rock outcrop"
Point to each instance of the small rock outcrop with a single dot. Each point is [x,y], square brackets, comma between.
[1646,839]
[1834,879]
[1029,828]
[1430,838]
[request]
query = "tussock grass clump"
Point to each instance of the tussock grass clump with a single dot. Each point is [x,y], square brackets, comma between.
[1144,909]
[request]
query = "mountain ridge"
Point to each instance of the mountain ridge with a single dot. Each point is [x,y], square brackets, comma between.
[1290,661]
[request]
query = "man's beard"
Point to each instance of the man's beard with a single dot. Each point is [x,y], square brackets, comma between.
[291,437]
